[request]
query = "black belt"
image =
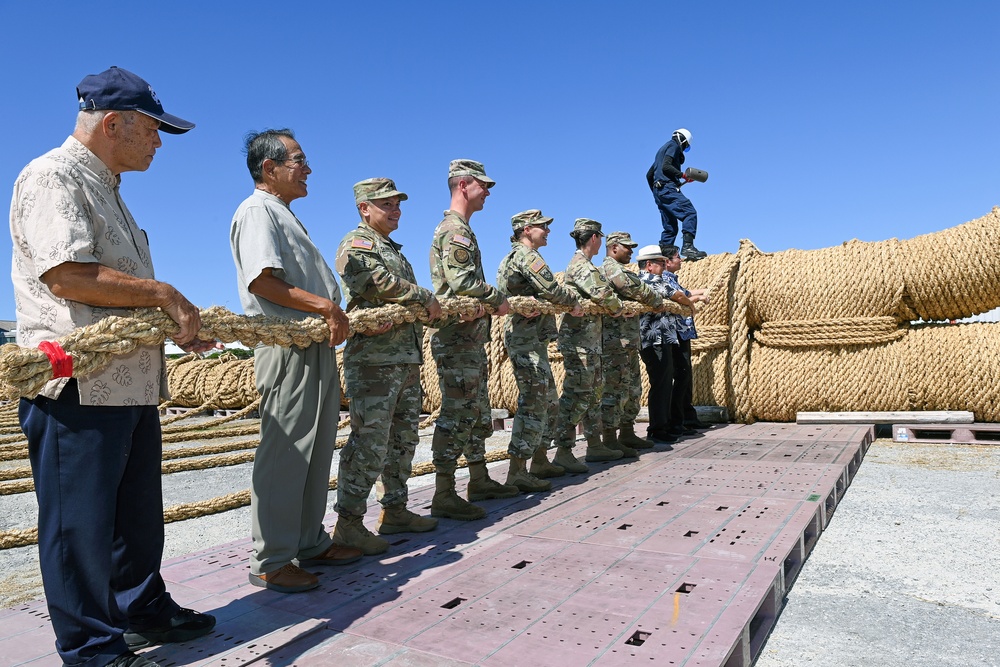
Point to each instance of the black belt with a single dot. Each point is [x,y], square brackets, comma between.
[659,184]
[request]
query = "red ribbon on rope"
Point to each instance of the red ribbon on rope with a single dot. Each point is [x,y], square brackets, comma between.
[62,363]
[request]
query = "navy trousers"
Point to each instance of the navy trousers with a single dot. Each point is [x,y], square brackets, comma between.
[675,210]
[100,521]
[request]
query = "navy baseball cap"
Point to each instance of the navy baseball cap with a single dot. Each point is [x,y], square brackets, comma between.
[117,89]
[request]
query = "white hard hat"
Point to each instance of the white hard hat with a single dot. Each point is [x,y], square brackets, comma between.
[649,252]
[684,133]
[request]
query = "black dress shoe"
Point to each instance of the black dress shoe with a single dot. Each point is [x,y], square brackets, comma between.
[697,424]
[131,660]
[185,625]
[661,437]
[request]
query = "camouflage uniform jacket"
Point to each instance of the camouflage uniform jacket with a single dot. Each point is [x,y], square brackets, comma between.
[375,273]
[624,331]
[457,270]
[523,272]
[583,278]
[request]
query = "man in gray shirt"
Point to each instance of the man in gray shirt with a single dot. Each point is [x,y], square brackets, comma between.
[281,273]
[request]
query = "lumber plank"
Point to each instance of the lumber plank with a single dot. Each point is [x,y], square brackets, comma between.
[889,417]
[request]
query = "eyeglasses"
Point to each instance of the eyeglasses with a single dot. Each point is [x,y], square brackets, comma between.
[299,160]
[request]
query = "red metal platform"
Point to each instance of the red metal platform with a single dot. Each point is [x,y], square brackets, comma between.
[681,557]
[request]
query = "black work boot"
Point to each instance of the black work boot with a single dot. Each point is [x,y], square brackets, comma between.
[689,252]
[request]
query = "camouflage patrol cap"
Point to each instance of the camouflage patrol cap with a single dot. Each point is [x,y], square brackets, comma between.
[621,238]
[587,225]
[376,188]
[470,168]
[530,217]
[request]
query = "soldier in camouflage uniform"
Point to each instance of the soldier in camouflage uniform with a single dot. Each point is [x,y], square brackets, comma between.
[381,374]
[464,422]
[622,379]
[580,343]
[523,272]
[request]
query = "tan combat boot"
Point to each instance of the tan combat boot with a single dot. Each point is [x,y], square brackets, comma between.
[627,436]
[565,439]
[398,519]
[564,459]
[540,466]
[596,451]
[483,487]
[519,476]
[351,531]
[448,504]
[611,441]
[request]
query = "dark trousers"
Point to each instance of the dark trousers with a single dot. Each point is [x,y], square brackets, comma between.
[675,210]
[100,521]
[682,408]
[661,363]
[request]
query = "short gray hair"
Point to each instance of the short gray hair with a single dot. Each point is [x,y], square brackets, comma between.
[266,145]
[88,120]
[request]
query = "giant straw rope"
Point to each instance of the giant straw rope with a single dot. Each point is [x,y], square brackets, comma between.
[838,328]
[860,326]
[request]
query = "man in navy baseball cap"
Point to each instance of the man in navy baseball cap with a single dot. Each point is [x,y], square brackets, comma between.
[117,89]
[95,441]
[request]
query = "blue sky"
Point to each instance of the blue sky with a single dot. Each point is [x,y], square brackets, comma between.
[817,122]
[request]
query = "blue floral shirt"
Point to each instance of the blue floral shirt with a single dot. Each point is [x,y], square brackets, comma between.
[657,328]
[684,325]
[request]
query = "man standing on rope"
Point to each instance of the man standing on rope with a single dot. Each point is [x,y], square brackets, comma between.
[523,272]
[464,422]
[622,379]
[381,374]
[580,343]
[665,179]
[281,273]
[94,443]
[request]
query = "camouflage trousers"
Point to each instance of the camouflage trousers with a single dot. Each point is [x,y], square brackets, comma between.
[385,415]
[581,391]
[465,417]
[622,387]
[535,419]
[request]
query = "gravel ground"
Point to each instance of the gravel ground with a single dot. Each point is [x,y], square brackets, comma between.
[906,574]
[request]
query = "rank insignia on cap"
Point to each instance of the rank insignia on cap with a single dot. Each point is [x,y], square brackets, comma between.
[538,265]
[461,240]
[362,243]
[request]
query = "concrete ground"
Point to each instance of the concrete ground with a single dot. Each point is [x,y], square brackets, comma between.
[906,574]
[908,571]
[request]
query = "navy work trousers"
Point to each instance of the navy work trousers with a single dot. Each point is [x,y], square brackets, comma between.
[676,210]
[100,521]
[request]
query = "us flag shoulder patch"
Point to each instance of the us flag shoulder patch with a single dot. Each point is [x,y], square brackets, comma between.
[461,240]
[538,265]
[362,243]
